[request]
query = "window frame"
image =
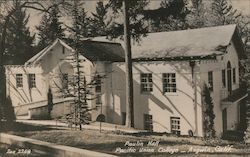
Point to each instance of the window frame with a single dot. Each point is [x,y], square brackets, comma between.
[210,80]
[146,80]
[234,75]
[148,122]
[19,80]
[65,82]
[98,84]
[32,80]
[173,126]
[223,77]
[171,85]
[98,100]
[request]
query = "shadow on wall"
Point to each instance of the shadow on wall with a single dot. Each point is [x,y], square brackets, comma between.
[146,99]
[23,95]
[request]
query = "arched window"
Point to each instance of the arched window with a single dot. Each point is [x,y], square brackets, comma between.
[229,77]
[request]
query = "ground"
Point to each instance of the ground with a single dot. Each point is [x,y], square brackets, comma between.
[120,143]
[5,151]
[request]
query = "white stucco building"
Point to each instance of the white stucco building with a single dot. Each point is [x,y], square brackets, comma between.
[170,70]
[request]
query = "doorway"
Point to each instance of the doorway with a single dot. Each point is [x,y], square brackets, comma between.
[224,119]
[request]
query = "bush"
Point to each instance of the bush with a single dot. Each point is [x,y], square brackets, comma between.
[8,110]
[233,135]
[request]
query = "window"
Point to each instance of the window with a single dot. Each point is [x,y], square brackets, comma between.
[175,125]
[148,122]
[19,80]
[32,80]
[223,75]
[98,100]
[65,81]
[98,90]
[234,75]
[169,82]
[210,80]
[98,85]
[63,50]
[146,82]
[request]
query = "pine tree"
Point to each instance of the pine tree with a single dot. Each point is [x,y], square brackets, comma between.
[50,102]
[100,21]
[168,17]
[224,13]
[19,40]
[208,114]
[43,31]
[81,23]
[50,28]
[136,8]
[78,86]
[197,17]
[133,26]
[247,132]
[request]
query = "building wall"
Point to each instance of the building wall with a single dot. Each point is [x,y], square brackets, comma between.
[47,71]
[163,106]
[104,69]
[219,91]
[59,110]
[25,94]
[160,106]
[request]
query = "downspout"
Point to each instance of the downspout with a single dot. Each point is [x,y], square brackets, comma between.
[194,86]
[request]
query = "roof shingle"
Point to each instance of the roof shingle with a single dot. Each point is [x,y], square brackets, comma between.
[200,42]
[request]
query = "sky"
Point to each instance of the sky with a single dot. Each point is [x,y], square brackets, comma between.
[241,5]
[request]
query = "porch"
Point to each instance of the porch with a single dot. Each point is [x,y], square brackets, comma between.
[233,107]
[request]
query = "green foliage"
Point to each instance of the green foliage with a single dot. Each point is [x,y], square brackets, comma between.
[8,110]
[170,16]
[50,102]
[80,21]
[208,114]
[50,28]
[136,21]
[224,13]
[78,88]
[197,17]
[99,23]
[247,132]
[244,31]
[19,42]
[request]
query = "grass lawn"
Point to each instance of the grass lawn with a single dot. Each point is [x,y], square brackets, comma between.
[115,142]
[121,144]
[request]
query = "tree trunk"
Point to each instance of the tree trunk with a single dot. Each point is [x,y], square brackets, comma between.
[128,63]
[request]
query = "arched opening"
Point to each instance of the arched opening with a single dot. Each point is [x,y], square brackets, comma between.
[229,78]
[66,72]
[100,118]
[60,79]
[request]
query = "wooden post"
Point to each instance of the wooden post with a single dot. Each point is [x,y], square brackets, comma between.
[128,64]
[194,86]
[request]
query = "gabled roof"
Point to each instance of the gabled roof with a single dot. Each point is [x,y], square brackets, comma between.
[203,43]
[194,43]
[92,50]
[102,51]
[43,52]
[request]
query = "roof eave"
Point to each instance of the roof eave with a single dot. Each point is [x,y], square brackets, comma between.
[176,58]
[239,44]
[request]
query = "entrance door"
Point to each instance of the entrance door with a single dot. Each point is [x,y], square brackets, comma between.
[123,118]
[224,119]
[242,115]
[229,78]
